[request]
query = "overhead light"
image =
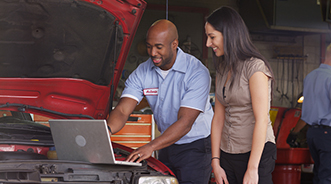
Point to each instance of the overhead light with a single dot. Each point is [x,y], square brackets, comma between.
[300,100]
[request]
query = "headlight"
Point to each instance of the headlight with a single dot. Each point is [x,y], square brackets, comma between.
[157,180]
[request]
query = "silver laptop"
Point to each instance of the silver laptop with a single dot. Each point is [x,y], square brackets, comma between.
[84,140]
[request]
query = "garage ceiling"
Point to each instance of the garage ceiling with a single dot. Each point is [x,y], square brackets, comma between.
[268,16]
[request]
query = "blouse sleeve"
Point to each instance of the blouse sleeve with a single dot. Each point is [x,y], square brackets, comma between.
[256,65]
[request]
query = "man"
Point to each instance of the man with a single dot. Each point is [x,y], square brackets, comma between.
[316,112]
[176,86]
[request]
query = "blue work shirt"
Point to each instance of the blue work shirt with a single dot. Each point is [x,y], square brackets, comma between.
[316,107]
[186,85]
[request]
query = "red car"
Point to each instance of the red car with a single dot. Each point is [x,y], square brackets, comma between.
[62,59]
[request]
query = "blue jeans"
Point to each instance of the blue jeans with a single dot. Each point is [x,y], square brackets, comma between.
[319,140]
[191,163]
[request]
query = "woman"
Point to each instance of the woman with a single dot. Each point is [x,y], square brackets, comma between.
[243,143]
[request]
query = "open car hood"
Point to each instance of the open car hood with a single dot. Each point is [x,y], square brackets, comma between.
[63,58]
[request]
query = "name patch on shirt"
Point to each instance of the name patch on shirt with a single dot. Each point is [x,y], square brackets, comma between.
[151,91]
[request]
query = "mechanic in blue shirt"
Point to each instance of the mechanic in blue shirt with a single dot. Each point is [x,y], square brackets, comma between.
[316,112]
[176,86]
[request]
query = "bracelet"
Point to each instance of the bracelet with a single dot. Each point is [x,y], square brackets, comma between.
[215,158]
[109,129]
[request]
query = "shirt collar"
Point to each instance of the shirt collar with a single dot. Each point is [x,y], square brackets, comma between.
[325,66]
[180,62]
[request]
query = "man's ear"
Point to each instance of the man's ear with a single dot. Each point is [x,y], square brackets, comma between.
[175,44]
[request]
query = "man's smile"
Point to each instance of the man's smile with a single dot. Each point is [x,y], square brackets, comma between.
[156,60]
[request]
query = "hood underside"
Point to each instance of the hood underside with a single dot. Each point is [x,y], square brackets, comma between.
[64,55]
[43,39]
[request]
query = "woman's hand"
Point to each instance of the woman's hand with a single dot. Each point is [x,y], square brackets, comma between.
[219,173]
[251,176]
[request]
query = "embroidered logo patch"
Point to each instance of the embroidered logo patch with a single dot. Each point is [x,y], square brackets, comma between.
[151,91]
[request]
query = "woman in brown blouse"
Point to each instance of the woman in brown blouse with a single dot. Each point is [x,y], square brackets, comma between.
[243,142]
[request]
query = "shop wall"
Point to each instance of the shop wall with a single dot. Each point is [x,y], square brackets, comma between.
[291,57]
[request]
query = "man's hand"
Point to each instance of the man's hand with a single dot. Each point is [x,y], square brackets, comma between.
[291,140]
[140,154]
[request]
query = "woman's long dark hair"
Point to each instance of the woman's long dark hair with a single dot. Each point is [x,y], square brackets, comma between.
[237,44]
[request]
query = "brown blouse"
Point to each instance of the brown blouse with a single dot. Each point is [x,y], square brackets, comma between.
[239,122]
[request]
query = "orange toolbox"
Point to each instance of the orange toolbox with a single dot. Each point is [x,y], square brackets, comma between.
[138,131]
